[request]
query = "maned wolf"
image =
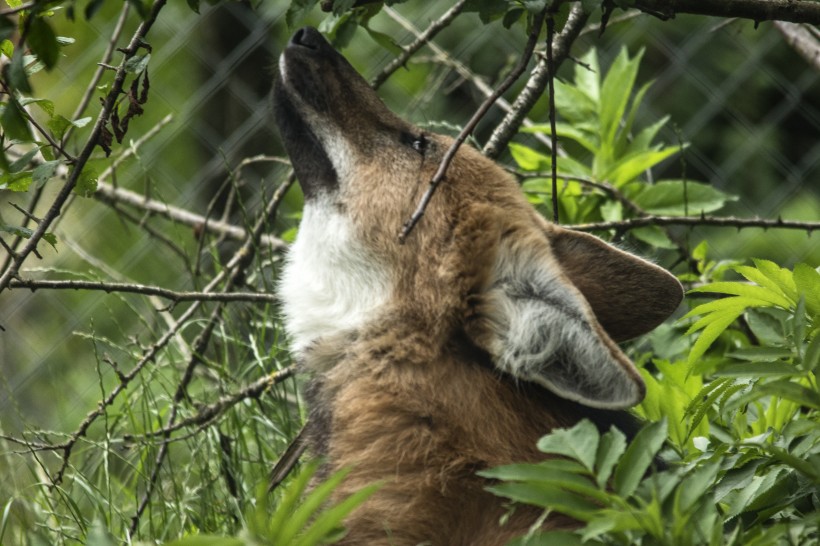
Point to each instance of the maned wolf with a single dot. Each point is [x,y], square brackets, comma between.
[457,350]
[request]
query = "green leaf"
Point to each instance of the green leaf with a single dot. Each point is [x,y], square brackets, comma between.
[87,182]
[15,73]
[137,63]
[770,275]
[528,159]
[653,236]
[807,282]
[194,5]
[44,172]
[639,457]
[14,122]
[579,442]
[330,520]
[207,540]
[385,41]
[811,358]
[629,167]
[746,290]
[547,496]
[791,391]
[695,485]
[616,88]
[43,42]
[678,197]
[717,322]
[573,104]
[756,369]
[16,181]
[610,448]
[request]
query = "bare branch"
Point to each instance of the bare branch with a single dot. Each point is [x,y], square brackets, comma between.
[471,125]
[208,413]
[698,221]
[421,39]
[801,39]
[795,11]
[146,290]
[535,86]
[108,106]
[113,195]
[91,88]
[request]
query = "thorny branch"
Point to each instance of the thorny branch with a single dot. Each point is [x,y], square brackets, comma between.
[794,11]
[698,221]
[131,288]
[471,125]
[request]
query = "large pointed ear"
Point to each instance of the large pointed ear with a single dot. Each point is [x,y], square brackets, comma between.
[538,326]
[628,295]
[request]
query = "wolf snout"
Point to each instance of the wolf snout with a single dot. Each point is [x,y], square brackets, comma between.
[307,37]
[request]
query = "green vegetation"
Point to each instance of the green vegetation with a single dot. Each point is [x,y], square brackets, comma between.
[198,397]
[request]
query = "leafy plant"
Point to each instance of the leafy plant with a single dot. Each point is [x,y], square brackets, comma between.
[605,175]
[301,517]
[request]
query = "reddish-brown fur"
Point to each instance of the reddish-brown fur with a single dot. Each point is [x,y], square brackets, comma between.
[411,398]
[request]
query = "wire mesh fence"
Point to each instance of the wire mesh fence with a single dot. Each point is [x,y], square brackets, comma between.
[746,103]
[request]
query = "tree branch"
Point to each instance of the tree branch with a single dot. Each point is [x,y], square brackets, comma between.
[794,11]
[698,221]
[535,86]
[114,195]
[146,290]
[471,125]
[421,39]
[801,40]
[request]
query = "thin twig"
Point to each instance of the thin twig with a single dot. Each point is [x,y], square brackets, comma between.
[444,58]
[698,221]
[91,88]
[91,143]
[207,414]
[471,125]
[794,11]
[236,267]
[146,290]
[421,39]
[536,84]
[553,130]
[110,194]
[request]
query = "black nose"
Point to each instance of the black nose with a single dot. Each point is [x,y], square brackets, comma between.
[307,37]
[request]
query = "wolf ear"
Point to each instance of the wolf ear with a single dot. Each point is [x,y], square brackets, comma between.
[628,295]
[553,305]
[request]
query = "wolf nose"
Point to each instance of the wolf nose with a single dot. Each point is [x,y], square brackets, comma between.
[307,37]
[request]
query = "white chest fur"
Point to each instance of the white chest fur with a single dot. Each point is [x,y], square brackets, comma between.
[330,282]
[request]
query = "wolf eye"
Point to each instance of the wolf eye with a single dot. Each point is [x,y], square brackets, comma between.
[417,142]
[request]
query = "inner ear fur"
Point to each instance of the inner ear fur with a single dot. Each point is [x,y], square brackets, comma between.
[629,296]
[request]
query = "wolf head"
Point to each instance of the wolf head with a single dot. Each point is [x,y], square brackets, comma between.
[483,268]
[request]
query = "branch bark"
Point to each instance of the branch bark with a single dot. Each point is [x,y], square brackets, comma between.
[145,290]
[802,40]
[698,221]
[794,11]
[535,86]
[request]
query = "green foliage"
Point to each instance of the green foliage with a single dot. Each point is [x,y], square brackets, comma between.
[302,517]
[732,393]
[609,156]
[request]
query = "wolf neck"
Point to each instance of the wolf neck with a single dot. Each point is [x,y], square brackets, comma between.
[330,283]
